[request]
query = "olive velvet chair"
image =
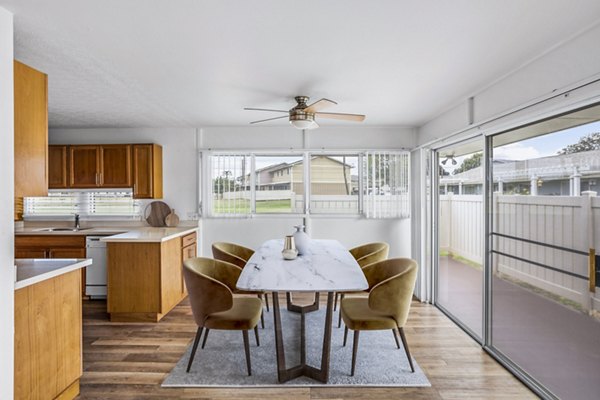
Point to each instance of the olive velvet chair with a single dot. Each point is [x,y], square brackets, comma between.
[210,285]
[391,284]
[365,254]
[237,255]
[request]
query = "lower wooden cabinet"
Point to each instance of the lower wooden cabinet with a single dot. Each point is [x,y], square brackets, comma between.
[52,246]
[145,279]
[48,328]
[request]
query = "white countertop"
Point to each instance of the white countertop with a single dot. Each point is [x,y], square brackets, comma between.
[150,234]
[115,233]
[31,271]
[327,267]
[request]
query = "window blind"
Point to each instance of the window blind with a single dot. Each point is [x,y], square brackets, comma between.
[84,203]
[230,184]
[386,184]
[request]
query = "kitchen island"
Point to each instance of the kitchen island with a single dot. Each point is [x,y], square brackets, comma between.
[48,328]
[145,279]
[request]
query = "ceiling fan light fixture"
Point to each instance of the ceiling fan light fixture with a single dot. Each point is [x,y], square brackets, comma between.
[301,120]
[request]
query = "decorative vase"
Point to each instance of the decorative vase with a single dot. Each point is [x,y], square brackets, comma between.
[289,248]
[302,240]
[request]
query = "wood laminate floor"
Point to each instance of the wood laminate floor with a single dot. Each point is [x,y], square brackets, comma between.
[130,360]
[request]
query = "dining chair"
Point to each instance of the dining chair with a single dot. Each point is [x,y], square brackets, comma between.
[386,307]
[237,255]
[364,255]
[210,285]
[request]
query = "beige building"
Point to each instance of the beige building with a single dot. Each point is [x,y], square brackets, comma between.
[328,176]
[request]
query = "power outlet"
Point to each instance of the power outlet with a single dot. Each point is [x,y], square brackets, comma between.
[193,216]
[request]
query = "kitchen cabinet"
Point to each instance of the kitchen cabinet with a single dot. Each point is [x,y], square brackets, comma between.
[115,168]
[57,167]
[51,246]
[145,279]
[84,166]
[189,250]
[48,338]
[96,166]
[30,131]
[147,171]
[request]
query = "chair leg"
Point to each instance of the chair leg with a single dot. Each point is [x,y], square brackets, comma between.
[340,316]
[205,336]
[262,320]
[396,338]
[196,340]
[412,368]
[256,336]
[354,351]
[247,349]
[335,301]
[345,335]
[267,301]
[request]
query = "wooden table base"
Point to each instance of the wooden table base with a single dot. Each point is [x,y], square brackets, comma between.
[296,308]
[285,374]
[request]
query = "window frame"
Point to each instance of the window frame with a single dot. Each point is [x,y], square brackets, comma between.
[206,193]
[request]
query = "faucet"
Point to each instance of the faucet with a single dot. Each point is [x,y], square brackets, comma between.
[77,226]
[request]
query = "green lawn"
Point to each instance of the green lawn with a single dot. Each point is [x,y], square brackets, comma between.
[243,206]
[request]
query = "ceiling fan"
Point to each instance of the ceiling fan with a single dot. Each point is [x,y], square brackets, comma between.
[302,116]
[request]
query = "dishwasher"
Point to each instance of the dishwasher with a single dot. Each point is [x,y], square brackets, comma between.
[95,274]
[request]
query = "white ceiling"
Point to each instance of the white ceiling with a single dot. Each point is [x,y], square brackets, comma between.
[133,63]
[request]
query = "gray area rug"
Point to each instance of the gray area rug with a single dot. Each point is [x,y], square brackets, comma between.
[222,363]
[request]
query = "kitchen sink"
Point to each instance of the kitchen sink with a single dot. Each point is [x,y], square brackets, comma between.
[61,229]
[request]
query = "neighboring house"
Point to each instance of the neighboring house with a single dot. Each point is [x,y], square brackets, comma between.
[328,177]
[560,175]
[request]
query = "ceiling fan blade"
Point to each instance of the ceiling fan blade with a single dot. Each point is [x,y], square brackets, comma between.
[268,119]
[319,105]
[264,109]
[346,117]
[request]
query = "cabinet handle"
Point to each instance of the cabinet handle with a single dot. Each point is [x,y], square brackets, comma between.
[134,189]
[101,178]
[96,178]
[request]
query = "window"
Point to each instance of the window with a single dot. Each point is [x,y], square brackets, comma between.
[374,184]
[334,184]
[86,203]
[276,192]
[230,176]
[385,188]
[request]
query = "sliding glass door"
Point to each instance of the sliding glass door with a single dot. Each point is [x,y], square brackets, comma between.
[460,223]
[545,224]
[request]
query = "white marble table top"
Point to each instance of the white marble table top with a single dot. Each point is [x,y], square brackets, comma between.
[328,267]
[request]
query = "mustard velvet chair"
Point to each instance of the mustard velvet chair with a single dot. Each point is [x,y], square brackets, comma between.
[364,255]
[210,285]
[391,284]
[237,255]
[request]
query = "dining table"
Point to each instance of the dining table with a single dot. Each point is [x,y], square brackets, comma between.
[327,266]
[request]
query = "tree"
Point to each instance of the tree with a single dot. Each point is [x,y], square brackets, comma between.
[586,143]
[469,163]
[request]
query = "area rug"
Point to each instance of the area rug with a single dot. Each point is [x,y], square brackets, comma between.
[222,363]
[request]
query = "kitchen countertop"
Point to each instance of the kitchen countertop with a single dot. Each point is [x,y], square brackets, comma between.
[31,271]
[150,234]
[117,234]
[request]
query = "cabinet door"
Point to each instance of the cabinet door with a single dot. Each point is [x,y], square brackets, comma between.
[57,167]
[30,253]
[30,131]
[142,171]
[66,253]
[116,166]
[84,166]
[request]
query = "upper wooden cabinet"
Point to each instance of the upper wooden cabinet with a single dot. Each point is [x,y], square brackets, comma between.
[115,165]
[137,166]
[84,166]
[31,131]
[94,166]
[147,171]
[57,167]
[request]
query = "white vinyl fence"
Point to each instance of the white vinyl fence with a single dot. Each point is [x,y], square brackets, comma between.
[569,225]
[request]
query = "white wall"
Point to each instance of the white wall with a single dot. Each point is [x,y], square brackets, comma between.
[179,157]
[7,273]
[570,63]
[351,231]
